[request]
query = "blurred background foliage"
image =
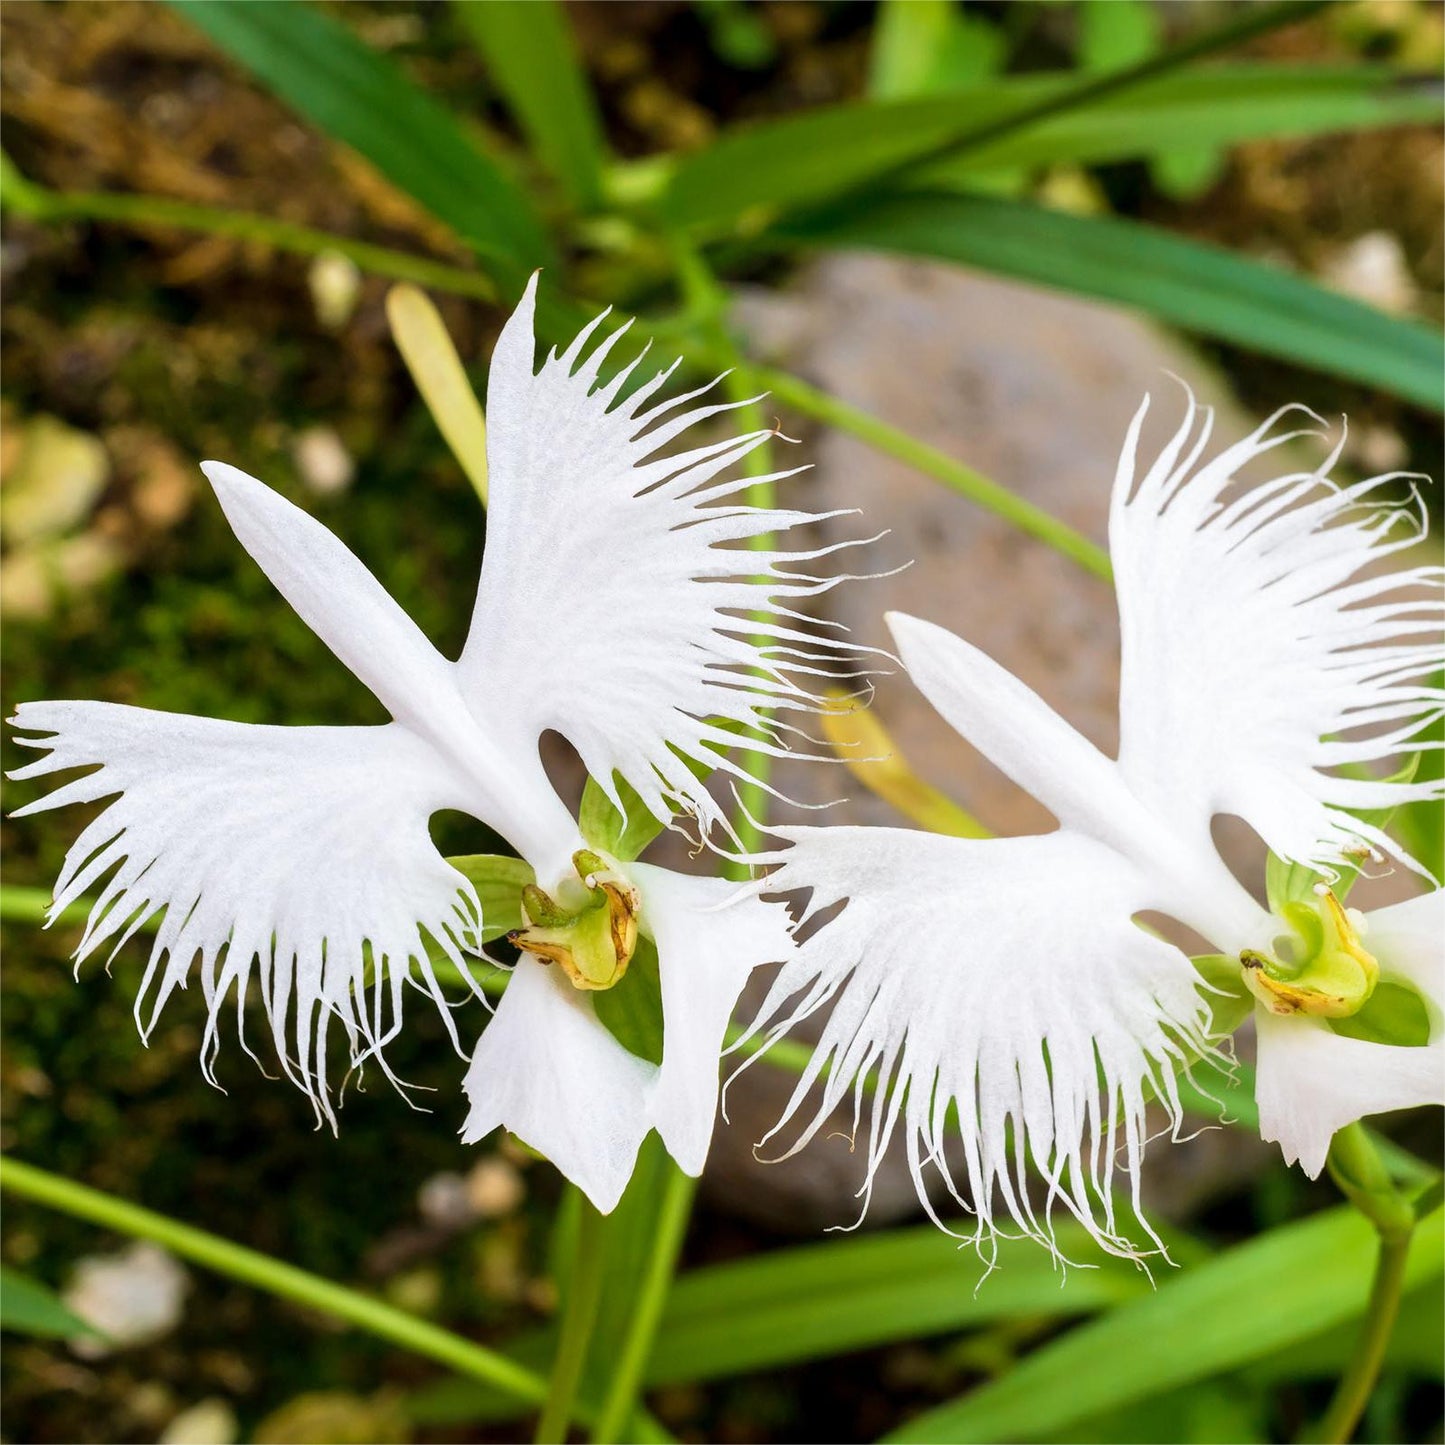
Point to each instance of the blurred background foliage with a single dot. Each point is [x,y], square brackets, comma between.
[205,205]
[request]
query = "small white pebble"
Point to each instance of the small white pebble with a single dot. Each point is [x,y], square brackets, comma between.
[1372,268]
[495,1187]
[209,1422]
[444,1201]
[323,461]
[335,282]
[131,1297]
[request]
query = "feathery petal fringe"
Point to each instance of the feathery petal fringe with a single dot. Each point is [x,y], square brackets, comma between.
[1265,647]
[642,656]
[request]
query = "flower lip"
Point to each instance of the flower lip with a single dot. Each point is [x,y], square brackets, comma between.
[593,941]
[1336,975]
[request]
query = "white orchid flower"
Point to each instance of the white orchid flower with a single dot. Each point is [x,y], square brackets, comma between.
[297,859]
[1006,991]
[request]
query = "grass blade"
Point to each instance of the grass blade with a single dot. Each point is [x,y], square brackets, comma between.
[1240,1306]
[1199,288]
[818,155]
[355,95]
[29,1307]
[533,61]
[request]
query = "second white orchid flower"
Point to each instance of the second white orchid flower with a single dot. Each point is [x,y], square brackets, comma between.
[298,860]
[1005,994]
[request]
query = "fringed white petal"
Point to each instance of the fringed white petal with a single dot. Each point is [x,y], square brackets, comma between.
[1312,1081]
[709,939]
[546,1069]
[297,859]
[611,606]
[1004,980]
[1264,645]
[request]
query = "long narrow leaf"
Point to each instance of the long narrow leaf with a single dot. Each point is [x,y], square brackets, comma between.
[1243,1305]
[31,1308]
[358,96]
[826,1299]
[815,156]
[817,1300]
[533,61]
[1200,288]
[1219,106]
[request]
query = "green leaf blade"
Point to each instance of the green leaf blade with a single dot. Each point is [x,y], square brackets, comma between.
[29,1307]
[319,66]
[1199,288]
[533,61]
[1243,1305]
[825,1299]
[816,156]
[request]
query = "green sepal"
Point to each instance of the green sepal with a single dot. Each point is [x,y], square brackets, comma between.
[623,837]
[1393,1014]
[1233,1003]
[498,883]
[1286,883]
[632,1012]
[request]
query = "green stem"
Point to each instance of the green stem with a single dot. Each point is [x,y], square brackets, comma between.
[584,1291]
[979,489]
[707,300]
[1356,1385]
[275,1277]
[40,204]
[671,1225]
[1356,1166]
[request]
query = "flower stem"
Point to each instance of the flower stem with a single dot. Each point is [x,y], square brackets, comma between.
[1353,1392]
[671,1226]
[38,203]
[707,300]
[584,1291]
[274,1276]
[793,391]
[1356,1166]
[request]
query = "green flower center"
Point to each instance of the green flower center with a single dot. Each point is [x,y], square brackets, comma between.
[589,930]
[1327,973]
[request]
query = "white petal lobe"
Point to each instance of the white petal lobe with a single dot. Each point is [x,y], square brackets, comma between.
[612,604]
[1004,978]
[282,857]
[1312,1081]
[1014,728]
[334,594]
[547,1070]
[708,941]
[1263,644]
